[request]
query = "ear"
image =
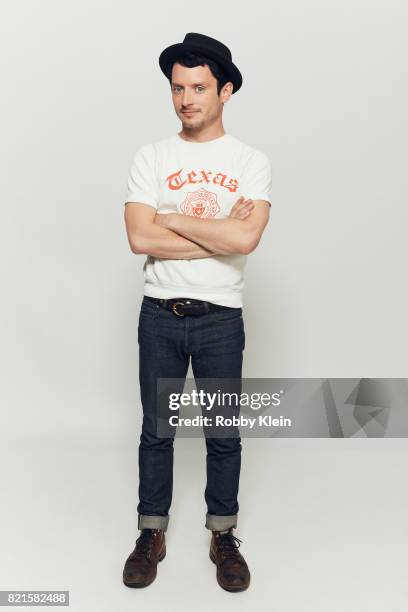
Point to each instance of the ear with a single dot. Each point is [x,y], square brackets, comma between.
[226,91]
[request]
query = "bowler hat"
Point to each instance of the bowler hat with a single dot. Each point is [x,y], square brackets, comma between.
[207,46]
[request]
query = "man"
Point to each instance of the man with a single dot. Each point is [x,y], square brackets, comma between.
[197,203]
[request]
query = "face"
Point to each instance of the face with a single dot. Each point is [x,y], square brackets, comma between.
[195,90]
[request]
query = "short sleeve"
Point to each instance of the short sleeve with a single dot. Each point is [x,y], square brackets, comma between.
[142,183]
[257,179]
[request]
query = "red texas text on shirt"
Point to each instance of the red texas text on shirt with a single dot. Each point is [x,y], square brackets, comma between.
[175,181]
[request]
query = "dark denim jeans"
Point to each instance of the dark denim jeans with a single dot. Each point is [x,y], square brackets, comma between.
[215,342]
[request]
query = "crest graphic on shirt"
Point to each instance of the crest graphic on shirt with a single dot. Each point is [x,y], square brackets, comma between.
[200,203]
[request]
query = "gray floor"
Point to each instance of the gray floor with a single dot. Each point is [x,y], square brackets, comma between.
[323,524]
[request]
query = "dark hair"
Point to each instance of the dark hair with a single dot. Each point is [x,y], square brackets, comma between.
[191,60]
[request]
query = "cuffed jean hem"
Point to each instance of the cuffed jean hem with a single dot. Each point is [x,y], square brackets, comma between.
[147,521]
[219,523]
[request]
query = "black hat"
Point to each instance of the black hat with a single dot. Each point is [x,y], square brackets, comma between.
[207,46]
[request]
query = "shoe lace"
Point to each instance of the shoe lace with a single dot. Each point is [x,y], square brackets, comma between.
[228,545]
[145,541]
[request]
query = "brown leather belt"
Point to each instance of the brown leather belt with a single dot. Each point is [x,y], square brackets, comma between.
[186,306]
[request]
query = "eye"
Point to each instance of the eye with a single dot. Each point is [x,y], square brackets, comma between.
[176,88]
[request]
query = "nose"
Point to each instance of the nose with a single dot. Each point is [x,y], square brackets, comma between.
[186,98]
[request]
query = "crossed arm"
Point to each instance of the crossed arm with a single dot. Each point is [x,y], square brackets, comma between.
[175,236]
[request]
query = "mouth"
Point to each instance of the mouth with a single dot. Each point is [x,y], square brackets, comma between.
[188,112]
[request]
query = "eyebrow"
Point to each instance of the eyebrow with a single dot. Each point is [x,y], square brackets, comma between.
[194,84]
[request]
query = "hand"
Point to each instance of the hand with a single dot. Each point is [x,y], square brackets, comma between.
[242,208]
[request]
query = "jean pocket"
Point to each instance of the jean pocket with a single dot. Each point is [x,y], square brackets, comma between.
[149,310]
[229,316]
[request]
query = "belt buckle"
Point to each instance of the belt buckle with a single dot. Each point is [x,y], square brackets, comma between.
[174,308]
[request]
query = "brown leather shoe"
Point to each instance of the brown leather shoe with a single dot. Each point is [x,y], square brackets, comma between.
[232,571]
[141,566]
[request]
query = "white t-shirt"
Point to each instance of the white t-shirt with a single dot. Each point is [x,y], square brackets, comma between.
[201,179]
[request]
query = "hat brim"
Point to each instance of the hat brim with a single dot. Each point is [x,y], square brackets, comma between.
[170,54]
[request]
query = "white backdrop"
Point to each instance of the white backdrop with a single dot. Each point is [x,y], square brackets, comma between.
[324,96]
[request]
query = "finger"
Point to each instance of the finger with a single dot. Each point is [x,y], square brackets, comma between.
[243,204]
[244,214]
[236,204]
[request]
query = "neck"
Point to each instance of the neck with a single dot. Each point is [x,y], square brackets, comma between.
[202,134]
